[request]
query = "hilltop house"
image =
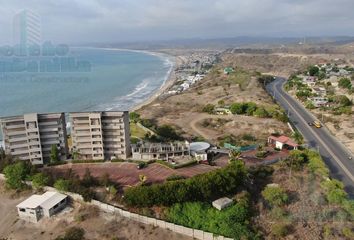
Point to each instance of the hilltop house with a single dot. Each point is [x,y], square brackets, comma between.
[310,81]
[37,206]
[319,91]
[319,101]
[282,142]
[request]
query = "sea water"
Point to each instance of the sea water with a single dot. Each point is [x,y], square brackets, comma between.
[114,80]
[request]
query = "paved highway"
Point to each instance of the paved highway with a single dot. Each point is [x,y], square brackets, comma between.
[335,155]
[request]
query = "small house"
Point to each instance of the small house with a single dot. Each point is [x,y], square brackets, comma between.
[38,206]
[309,81]
[282,142]
[319,101]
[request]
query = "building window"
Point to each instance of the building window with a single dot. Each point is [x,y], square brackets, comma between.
[22,210]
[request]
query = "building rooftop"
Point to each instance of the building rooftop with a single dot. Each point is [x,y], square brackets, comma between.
[284,140]
[46,200]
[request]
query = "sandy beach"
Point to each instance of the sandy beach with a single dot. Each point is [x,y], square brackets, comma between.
[170,81]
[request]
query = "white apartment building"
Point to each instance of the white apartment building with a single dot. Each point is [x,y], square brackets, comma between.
[31,136]
[100,135]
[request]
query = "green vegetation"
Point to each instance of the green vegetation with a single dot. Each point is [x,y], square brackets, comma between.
[209,108]
[62,185]
[232,221]
[275,195]
[313,70]
[137,131]
[54,154]
[40,180]
[252,109]
[296,159]
[72,183]
[73,233]
[16,174]
[134,117]
[175,177]
[203,187]
[5,159]
[280,230]
[345,83]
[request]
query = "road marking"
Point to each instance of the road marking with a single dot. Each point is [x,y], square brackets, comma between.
[318,138]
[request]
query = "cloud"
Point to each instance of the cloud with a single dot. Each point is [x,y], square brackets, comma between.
[134,20]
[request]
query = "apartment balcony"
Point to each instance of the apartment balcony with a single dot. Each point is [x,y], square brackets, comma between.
[81,127]
[14,133]
[20,152]
[85,145]
[20,127]
[109,121]
[16,139]
[82,139]
[52,135]
[52,123]
[81,121]
[17,146]
[112,127]
[49,129]
[81,134]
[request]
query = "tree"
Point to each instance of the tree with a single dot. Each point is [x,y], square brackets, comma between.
[275,195]
[54,154]
[251,107]
[313,70]
[16,174]
[112,191]
[134,117]
[167,133]
[209,108]
[261,112]
[39,180]
[234,155]
[298,137]
[343,100]
[62,185]
[237,108]
[5,159]
[345,83]
[142,179]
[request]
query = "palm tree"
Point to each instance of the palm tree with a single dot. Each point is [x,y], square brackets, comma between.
[234,155]
[298,137]
[142,179]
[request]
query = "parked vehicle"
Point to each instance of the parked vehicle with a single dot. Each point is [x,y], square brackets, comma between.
[317,124]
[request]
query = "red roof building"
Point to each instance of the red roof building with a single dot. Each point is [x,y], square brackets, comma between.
[282,142]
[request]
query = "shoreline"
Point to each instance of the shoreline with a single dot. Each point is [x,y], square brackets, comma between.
[168,81]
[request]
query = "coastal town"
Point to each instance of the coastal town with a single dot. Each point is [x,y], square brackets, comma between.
[157,123]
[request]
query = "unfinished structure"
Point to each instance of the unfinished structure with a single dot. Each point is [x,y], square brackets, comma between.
[100,135]
[162,151]
[31,136]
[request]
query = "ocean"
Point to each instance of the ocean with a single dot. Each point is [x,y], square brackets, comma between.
[96,79]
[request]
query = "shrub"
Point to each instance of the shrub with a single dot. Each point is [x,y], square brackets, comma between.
[203,187]
[73,233]
[345,83]
[16,174]
[334,191]
[348,233]
[280,230]
[275,195]
[231,222]
[209,108]
[296,159]
[39,180]
[174,177]
[62,185]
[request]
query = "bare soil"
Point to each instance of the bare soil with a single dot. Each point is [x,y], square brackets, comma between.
[97,225]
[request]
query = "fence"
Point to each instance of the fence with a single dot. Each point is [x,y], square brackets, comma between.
[239,148]
[194,233]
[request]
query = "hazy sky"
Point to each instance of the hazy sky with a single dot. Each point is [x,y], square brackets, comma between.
[140,20]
